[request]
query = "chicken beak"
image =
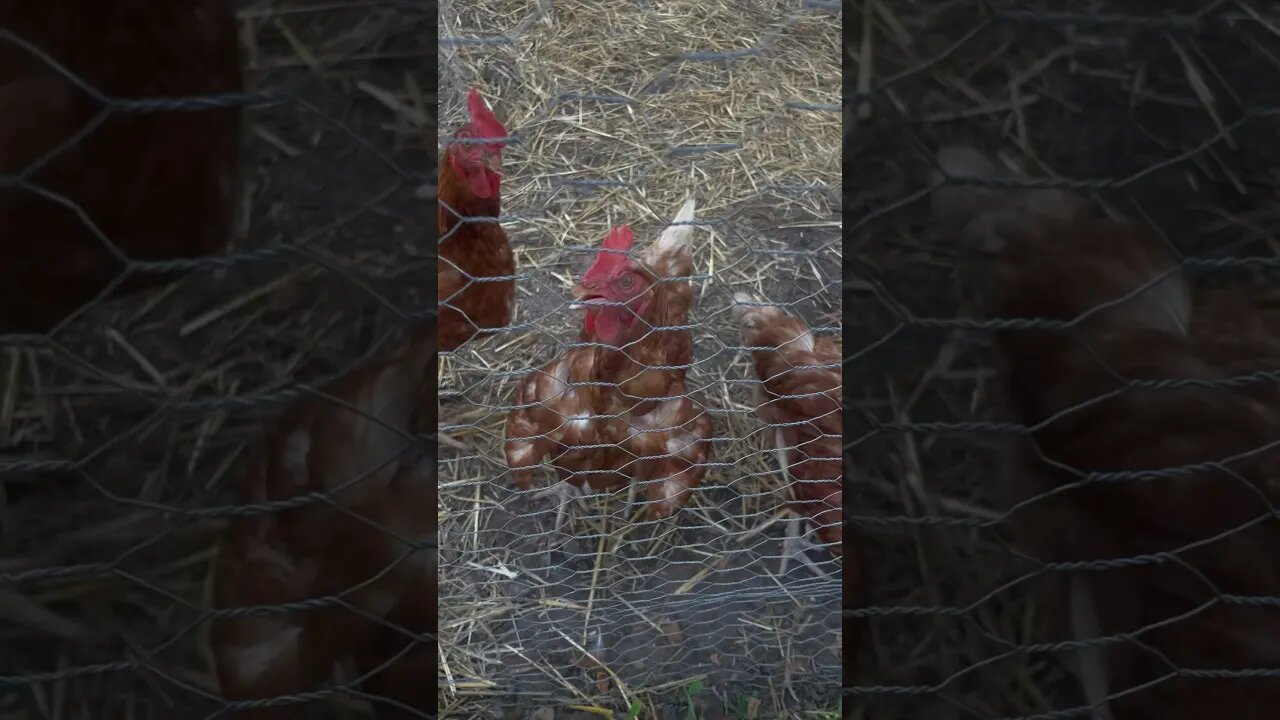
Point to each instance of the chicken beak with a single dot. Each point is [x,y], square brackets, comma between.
[582,295]
[493,161]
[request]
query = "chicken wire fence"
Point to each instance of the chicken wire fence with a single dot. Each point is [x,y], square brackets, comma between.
[1166,113]
[616,112]
[126,428]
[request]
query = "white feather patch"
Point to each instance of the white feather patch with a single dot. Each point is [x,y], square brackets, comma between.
[805,342]
[678,236]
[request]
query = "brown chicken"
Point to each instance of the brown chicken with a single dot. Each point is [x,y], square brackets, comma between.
[370,542]
[472,250]
[1139,447]
[157,185]
[799,397]
[639,424]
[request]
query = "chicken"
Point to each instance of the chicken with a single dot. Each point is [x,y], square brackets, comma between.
[1140,448]
[799,397]
[638,425]
[369,542]
[99,185]
[471,251]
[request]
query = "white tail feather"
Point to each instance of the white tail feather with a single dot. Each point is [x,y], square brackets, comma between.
[676,236]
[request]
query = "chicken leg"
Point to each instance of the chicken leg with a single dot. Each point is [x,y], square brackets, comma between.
[564,493]
[796,544]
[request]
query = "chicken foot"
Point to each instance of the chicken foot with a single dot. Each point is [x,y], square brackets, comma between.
[797,545]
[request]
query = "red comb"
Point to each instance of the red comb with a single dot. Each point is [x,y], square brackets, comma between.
[482,118]
[619,238]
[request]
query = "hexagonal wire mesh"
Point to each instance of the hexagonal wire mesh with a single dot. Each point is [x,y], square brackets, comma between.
[1162,112]
[618,112]
[126,429]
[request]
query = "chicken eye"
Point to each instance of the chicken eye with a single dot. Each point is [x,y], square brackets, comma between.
[626,281]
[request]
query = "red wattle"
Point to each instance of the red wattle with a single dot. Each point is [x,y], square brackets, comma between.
[608,326]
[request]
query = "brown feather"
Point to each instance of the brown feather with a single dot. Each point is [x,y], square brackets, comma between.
[802,399]
[656,434]
[467,251]
[1208,471]
[361,445]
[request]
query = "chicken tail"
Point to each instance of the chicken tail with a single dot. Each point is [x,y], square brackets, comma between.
[679,236]
[1048,238]
[672,255]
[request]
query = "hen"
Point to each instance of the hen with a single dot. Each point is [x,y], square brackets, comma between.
[799,397]
[155,185]
[369,542]
[1140,448]
[652,433]
[472,250]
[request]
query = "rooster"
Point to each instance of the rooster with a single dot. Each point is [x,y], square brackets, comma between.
[638,423]
[1134,452]
[370,542]
[471,250]
[799,397]
[97,186]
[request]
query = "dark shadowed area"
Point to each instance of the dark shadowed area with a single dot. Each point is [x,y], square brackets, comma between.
[125,433]
[1162,112]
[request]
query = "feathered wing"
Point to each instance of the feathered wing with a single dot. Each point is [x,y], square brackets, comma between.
[1202,455]
[362,446]
[668,449]
[544,400]
[558,417]
[470,301]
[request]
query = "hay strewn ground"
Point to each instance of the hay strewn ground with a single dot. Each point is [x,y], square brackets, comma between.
[1061,97]
[148,406]
[754,136]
